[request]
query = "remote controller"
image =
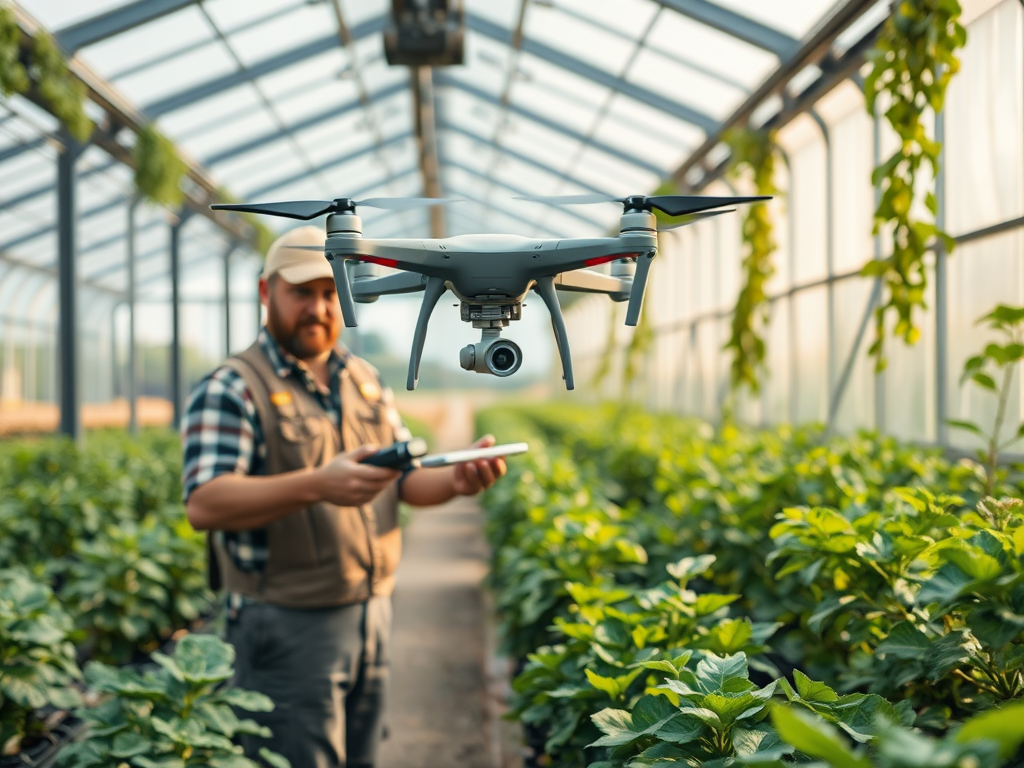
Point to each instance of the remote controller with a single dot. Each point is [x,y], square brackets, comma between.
[399,456]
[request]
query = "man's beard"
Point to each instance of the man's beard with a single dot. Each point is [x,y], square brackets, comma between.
[302,348]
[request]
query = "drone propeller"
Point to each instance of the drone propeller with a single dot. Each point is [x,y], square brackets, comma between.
[673,205]
[310,209]
[693,218]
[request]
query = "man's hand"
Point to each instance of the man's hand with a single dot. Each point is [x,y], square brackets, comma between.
[475,476]
[347,483]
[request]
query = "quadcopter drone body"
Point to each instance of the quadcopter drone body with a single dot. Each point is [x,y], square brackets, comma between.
[491,275]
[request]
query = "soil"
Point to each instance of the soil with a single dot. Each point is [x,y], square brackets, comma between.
[441,710]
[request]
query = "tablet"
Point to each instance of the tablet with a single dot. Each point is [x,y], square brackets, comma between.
[472,454]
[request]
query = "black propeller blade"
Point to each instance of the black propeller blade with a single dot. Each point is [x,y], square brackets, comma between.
[673,205]
[693,218]
[310,209]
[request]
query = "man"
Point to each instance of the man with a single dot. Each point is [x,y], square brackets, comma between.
[304,539]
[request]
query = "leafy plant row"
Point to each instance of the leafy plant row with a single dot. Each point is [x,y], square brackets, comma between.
[100,564]
[877,568]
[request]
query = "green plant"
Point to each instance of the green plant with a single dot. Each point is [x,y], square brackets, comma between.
[64,93]
[178,716]
[13,77]
[37,659]
[158,168]
[989,739]
[921,599]
[1009,322]
[714,715]
[614,644]
[912,63]
[753,150]
[136,584]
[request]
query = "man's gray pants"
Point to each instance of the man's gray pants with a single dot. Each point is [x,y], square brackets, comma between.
[326,670]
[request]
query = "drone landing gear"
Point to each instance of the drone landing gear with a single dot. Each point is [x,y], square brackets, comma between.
[431,293]
[546,288]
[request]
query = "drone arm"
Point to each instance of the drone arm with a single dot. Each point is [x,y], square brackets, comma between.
[432,292]
[546,288]
[400,282]
[589,281]
[348,307]
[636,293]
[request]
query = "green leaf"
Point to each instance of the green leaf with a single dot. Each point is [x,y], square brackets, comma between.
[984,380]
[969,426]
[714,673]
[814,737]
[273,759]
[688,567]
[682,729]
[1004,726]
[250,701]
[810,690]
[904,641]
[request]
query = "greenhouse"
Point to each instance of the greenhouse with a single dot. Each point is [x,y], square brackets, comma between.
[757,496]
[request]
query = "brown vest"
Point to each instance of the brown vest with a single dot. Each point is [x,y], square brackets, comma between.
[323,555]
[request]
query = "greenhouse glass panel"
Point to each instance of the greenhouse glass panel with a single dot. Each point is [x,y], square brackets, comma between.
[583,41]
[857,407]
[986,272]
[810,353]
[162,38]
[910,377]
[984,120]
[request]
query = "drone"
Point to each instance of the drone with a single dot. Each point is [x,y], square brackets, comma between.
[492,274]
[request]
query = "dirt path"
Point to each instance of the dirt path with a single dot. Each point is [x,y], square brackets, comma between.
[439,712]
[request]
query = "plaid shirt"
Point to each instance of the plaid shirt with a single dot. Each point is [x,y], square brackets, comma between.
[222,434]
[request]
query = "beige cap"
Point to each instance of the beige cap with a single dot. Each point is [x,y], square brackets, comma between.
[297,265]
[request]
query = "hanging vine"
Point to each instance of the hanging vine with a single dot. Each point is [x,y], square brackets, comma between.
[13,77]
[158,168]
[754,152]
[912,63]
[64,94]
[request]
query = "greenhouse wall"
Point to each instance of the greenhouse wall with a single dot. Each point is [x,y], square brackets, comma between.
[820,316]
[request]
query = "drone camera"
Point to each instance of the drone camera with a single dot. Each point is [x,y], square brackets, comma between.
[500,357]
[503,358]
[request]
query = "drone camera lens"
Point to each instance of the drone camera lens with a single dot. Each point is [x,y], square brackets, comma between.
[504,358]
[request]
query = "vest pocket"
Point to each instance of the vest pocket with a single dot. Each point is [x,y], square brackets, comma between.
[303,441]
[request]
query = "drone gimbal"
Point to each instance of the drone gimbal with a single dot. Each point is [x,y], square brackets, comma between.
[492,274]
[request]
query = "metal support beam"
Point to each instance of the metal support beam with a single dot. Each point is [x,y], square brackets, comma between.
[133,361]
[227,298]
[941,295]
[424,110]
[200,189]
[291,57]
[618,153]
[554,56]
[19,149]
[177,398]
[106,25]
[67,333]
[830,252]
[876,141]
[736,25]
[815,51]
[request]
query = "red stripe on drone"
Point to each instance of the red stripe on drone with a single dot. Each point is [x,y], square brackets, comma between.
[376,260]
[605,259]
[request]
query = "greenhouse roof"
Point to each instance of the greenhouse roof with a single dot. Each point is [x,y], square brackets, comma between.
[293,99]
